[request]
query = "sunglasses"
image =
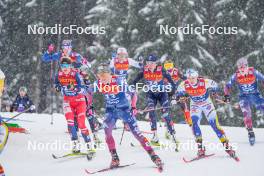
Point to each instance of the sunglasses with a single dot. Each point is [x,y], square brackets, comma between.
[65,65]
[66,47]
[150,62]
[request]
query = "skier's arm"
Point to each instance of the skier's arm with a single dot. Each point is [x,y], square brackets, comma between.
[182,76]
[81,88]
[78,62]
[112,65]
[211,86]
[168,77]
[260,76]
[138,78]
[134,63]
[47,57]
[229,84]
[57,85]
[181,90]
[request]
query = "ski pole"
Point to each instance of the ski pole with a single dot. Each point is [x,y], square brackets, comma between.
[18,114]
[223,102]
[153,109]
[122,135]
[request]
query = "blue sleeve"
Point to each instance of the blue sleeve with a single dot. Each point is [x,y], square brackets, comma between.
[229,84]
[168,77]
[78,62]
[78,80]
[47,57]
[260,76]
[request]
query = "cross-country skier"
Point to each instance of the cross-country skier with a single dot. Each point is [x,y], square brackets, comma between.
[247,79]
[93,122]
[121,63]
[199,90]
[3,127]
[177,76]
[66,50]
[118,106]
[78,63]
[3,141]
[153,76]
[119,66]
[23,102]
[69,83]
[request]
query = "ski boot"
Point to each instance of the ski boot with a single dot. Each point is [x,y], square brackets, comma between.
[76,146]
[90,151]
[155,140]
[115,159]
[201,148]
[156,160]
[251,136]
[230,151]
[201,151]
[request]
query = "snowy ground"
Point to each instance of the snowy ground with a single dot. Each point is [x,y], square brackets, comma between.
[17,159]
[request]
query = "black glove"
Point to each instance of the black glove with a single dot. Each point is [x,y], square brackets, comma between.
[227,99]
[58,88]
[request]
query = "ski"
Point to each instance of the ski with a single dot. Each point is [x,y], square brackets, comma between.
[197,158]
[160,146]
[108,169]
[88,155]
[234,157]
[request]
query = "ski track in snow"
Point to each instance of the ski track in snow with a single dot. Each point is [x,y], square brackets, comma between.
[18,160]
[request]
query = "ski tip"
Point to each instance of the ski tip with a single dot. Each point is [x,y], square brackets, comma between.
[237,159]
[160,168]
[54,157]
[186,161]
[87,172]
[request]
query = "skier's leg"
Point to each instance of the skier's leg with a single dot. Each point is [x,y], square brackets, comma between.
[89,114]
[246,110]
[109,123]
[152,102]
[212,118]
[69,115]
[81,115]
[196,115]
[131,121]
[164,101]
